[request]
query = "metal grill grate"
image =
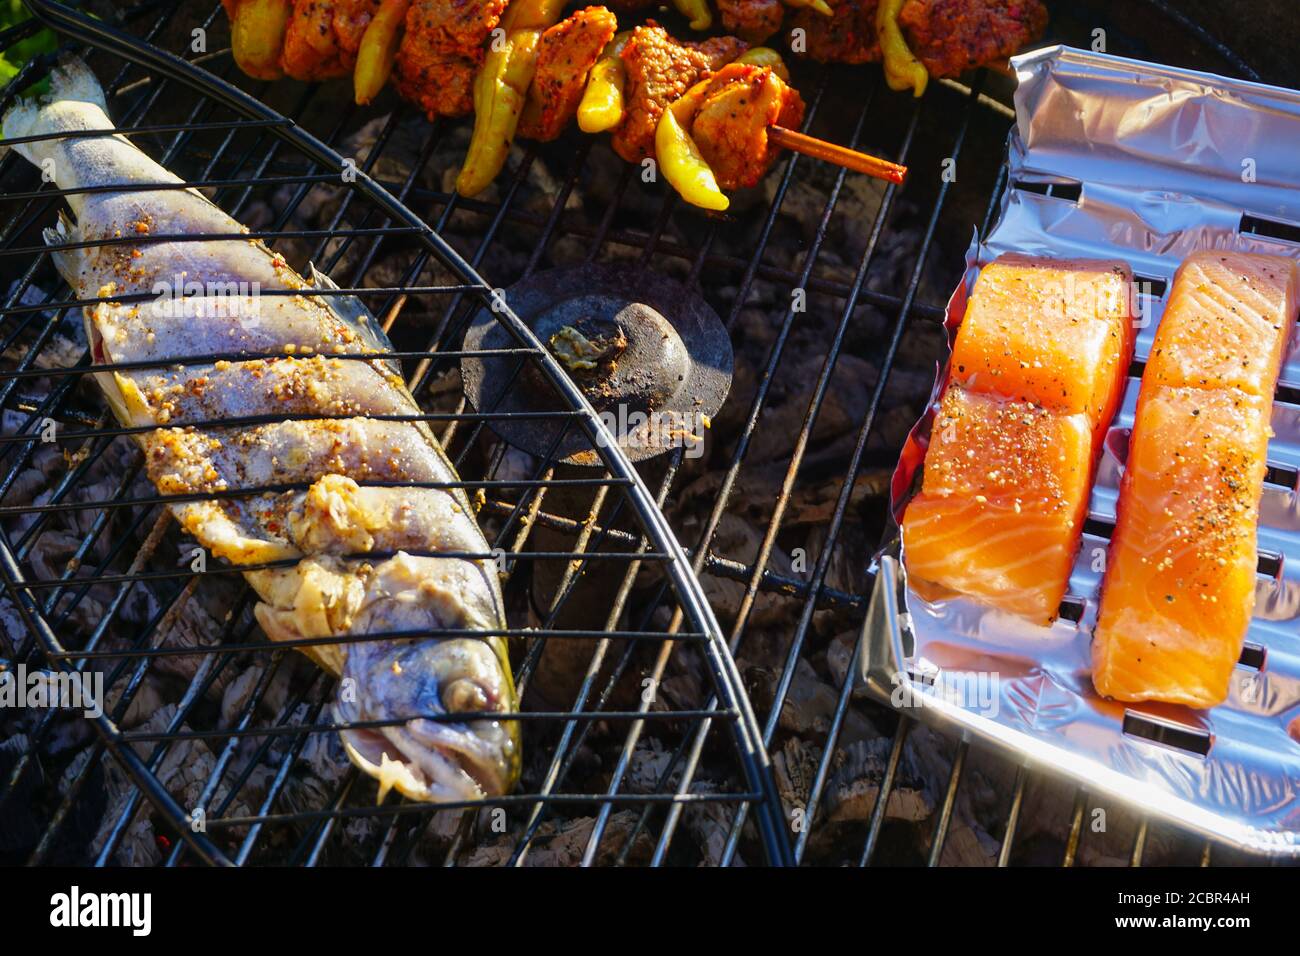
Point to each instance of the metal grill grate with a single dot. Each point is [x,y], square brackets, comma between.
[827,286]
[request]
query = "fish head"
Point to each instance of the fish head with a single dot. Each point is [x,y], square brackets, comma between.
[413,691]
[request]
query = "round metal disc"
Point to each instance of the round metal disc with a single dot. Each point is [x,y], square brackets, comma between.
[650,355]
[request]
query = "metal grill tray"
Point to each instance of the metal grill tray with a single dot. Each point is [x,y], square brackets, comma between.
[1115,158]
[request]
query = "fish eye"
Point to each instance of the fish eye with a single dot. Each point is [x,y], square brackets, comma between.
[464,695]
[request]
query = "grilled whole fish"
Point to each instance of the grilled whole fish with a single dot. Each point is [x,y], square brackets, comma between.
[358,545]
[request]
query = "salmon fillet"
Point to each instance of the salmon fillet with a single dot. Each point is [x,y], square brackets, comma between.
[1058,333]
[1180,584]
[1037,372]
[1002,524]
[1180,579]
[1232,322]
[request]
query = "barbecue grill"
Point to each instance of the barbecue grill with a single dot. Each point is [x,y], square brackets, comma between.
[641,656]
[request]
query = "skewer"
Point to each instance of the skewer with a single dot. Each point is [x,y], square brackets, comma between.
[839,155]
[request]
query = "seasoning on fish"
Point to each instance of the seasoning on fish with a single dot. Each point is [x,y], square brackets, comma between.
[1232,320]
[1036,374]
[1002,502]
[1179,588]
[1058,333]
[368,530]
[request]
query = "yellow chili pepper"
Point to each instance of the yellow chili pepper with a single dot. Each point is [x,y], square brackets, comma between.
[765,56]
[531,15]
[698,10]
[257,29]
[501,90]
[903,71]
[680,159]
[602,101]
[378,49]
[821,6]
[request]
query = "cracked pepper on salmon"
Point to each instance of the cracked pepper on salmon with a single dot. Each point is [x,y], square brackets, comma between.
[1036,374]
[267,394]
[1179,588]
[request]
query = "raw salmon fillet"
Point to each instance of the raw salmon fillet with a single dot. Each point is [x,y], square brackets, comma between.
[1180,579]
[1234,313]
[1055,332]
[1002,524]
[1037,372]
[1179,588]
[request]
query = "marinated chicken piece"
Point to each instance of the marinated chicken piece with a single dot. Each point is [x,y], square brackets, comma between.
[441,52]
[322,37]
[752,20]
[847,37]
[952,36]
[659,70]
[731,125]
[568,52]
[351,17]
[947,36]
[441,83]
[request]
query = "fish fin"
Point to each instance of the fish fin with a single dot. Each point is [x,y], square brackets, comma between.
[278,625]
[72,79]
[353,311]
[20,119]
[66,261]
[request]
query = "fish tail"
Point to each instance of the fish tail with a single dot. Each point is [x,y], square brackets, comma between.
[71,81]
[66,261]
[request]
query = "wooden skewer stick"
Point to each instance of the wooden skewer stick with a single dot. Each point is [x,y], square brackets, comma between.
[839,155]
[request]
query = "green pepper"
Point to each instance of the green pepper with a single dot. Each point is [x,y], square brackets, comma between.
[903,71]
[257,29]
[378,49]
[680,159]
[602,101]
[697,11]
[501,90]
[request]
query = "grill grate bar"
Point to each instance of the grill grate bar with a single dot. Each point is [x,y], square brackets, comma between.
[1013,817]
[705,726]
[263,647]
[864,434]
[764,551]
[520,799]
[573,735]
[227,756]
[666,248]
[171,735]
[944,820]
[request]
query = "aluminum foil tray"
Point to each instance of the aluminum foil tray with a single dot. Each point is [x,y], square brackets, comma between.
[1115,158]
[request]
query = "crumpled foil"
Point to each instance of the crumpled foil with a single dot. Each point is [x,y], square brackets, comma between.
[1116,158]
